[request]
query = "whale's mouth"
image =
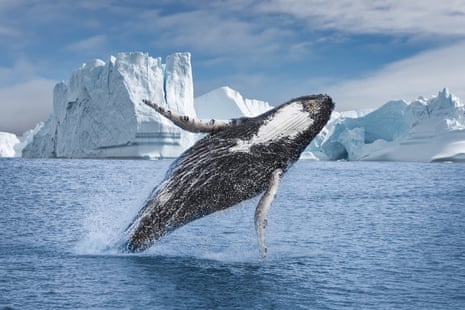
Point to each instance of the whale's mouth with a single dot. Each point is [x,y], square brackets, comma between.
[330,102]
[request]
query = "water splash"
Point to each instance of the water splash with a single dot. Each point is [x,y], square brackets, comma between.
[107,216]
[226,236]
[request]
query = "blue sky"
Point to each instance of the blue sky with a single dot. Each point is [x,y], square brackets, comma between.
[361,52]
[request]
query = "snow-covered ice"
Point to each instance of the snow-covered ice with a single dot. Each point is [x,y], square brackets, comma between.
[99,112]
[423,130]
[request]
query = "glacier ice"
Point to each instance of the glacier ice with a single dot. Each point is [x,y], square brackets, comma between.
[226,103]
[99,112]
[422,130]
[7,144]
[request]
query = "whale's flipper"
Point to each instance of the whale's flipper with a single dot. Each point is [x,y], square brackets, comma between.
[262,210]
[189,123]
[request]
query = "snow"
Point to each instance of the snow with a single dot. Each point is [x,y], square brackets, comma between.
[423,130]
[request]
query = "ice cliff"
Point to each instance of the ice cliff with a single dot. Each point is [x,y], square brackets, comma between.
[422,130]
[99,112]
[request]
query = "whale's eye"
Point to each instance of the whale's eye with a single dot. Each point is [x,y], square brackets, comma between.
[311,106]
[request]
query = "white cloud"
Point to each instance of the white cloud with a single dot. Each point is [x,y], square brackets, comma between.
[6,5]
[7,31]
[421,75]
[214,33]
[417,17]
[89,46]
[23,105]
[21,71]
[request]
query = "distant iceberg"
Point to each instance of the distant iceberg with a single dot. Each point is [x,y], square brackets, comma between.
[99,113]
[423,130]
[12,145]
[7,144]
[226,103]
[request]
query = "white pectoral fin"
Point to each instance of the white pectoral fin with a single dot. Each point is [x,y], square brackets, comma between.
[189,123]
[262,210]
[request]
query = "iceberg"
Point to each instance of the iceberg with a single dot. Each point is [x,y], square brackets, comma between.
[425,130]
[7,144]
[226,103]
[99,113]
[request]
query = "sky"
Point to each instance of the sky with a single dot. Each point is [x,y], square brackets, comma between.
[361,52]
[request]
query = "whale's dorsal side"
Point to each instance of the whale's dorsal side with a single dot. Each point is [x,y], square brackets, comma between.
[191,124]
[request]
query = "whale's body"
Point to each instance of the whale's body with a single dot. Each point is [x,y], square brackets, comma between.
[235,161]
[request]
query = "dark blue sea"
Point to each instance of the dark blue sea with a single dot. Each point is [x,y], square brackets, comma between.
[340,235]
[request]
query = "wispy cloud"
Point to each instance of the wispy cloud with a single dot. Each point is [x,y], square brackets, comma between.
[88,46]
[22,70]
[6,31]
[420,75]
[25,104]
[212,33]
[417,17]
[25,97]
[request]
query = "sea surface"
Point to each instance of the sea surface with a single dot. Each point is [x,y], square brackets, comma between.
[340,235]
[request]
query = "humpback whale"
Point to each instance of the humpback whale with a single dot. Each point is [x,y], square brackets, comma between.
[236,160]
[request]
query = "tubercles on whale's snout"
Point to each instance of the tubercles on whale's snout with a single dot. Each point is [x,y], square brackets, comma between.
[317,102]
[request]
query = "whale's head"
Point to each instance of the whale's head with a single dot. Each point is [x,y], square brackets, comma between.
[301,119]
[294,123]
[317,108]
[304,116]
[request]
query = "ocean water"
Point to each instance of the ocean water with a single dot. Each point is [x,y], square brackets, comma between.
[340,235]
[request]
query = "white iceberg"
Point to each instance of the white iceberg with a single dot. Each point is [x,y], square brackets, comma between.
[423,130]
[226,103]
[99,112]
[7,144]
